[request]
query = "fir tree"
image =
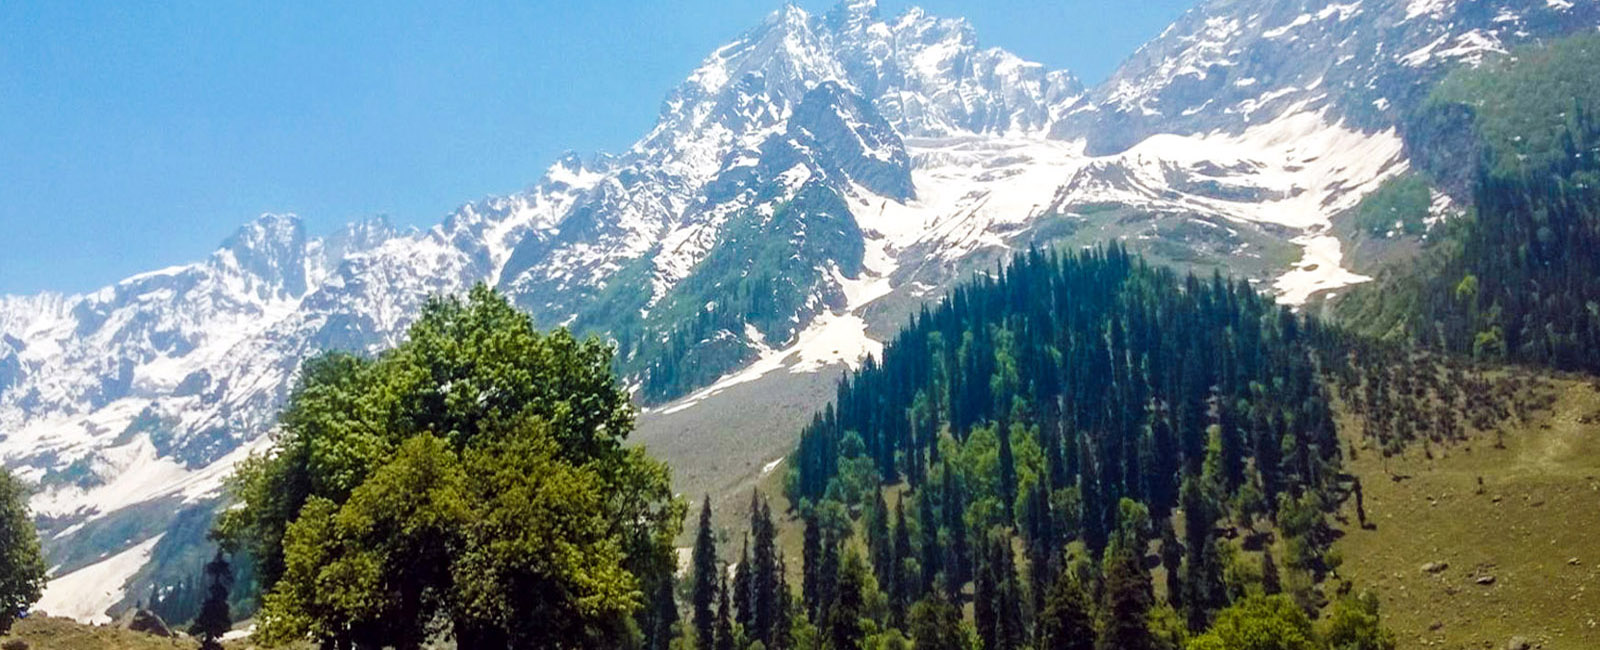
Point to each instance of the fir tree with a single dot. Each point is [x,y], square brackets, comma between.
[880,544]
[1067,622]
[930,552]
[1202,569]
[724,633]
[845,626]
[1172,562]
[704,596]
[811,562]
[1127,603]
[902,585]
[935,624]
[214,619]
[766,575]
[743,593]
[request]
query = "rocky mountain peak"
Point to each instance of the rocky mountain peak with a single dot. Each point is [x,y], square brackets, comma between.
[1230,64]
[272,249]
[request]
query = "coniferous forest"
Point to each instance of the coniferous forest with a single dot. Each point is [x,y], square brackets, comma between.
[1515,280]
[1061,428]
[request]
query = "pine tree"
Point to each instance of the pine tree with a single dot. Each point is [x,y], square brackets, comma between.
[1010,631]
[811,562]
[902,585]
[1172,562]
[724,629]
[767,572]
[703,598]
[930,551]
[214,619]
[827,580]
[958,560]
[1067,622]
[1127,603]
[985,597]
[665,615]
[935,624]
[1202,571]
[1008,472]
[845,628]
[743,594]
[783,612]
[880,545]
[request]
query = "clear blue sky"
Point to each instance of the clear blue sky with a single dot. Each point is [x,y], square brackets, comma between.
[136,135]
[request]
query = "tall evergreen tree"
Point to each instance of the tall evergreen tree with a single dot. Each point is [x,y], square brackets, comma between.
[1172,561]
[1011,633]
[783,615]
[766,574]
[930,553]
[811,562]
[214,619]
[664,614]
[935,624]
[958,556]
[880,543]
[704,593]
[1067,622]
[986,596]
[903,575]
[846,630]
[1128,599]
[1203,590]
[828,580]
[724,632]
[743,592]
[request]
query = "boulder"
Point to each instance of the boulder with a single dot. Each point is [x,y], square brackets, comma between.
[145,621]
[1435,567]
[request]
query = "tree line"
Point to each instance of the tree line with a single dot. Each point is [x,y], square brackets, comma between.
[1060,433]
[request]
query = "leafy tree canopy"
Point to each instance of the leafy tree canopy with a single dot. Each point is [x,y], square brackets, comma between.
[22,570]
[1260,623]
[471,481]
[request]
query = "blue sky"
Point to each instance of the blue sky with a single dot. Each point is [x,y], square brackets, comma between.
[138,135]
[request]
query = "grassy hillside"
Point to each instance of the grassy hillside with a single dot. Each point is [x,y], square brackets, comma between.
[1527,525]
[52,633]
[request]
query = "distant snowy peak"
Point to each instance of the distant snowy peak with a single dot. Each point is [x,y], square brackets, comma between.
[1228,64]
[919,75]
[272,249]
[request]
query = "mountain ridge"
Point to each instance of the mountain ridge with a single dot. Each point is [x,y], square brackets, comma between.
[806,187]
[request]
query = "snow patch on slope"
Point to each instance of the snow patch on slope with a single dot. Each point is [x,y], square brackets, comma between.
[87,593]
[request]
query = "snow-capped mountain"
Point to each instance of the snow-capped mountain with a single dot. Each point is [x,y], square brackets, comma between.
[804,189]
[1231,63]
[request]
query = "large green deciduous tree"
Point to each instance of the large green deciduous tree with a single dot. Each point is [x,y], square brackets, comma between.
[470,482]
[1260,623]
[22,570]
